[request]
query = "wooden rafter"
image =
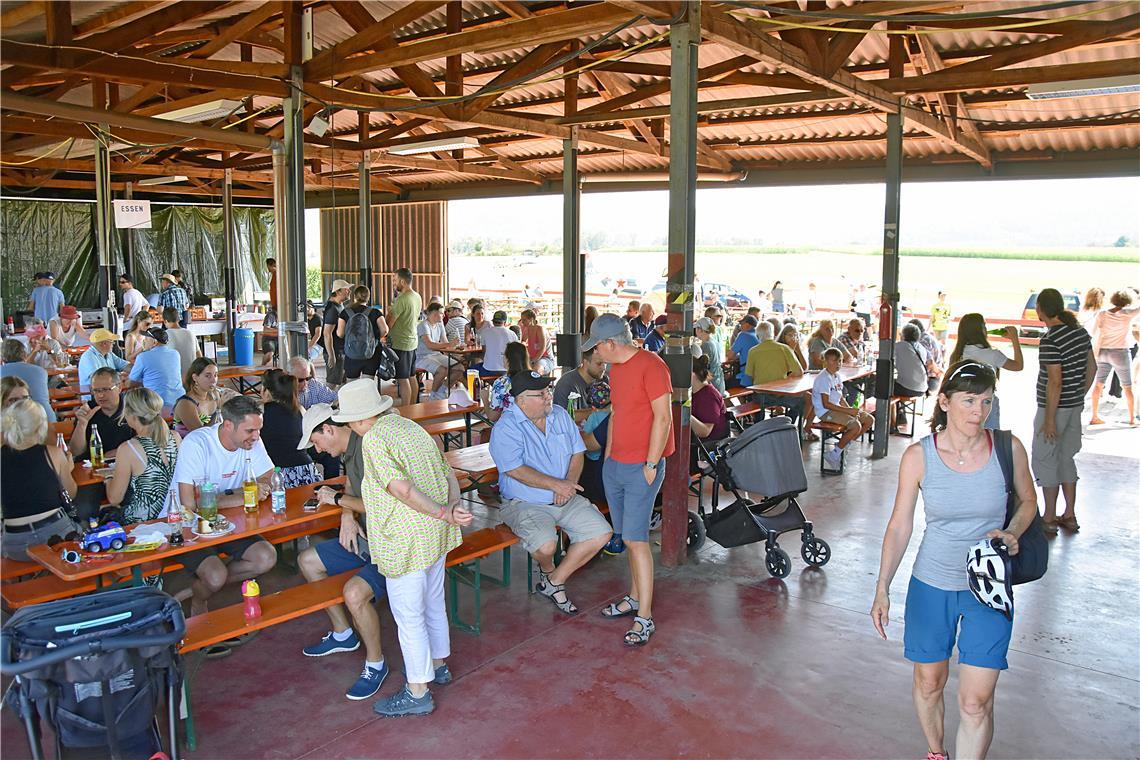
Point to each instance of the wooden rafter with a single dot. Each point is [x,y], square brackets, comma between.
[726,30]
[956,108]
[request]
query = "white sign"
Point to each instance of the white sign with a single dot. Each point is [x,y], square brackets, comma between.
[132,215]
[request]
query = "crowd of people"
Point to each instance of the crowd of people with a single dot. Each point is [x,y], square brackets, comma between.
[563,445]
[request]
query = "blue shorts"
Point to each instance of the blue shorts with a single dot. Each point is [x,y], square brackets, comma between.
[337,560]
[630,498]
[934,618]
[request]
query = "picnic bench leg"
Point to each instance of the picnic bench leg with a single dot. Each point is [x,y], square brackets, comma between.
[467,420]
[188,716]
[469,575]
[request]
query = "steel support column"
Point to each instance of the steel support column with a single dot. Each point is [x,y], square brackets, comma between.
[685,40]
[291,329]
[129,237]
[573,273]
[885,367]
[103,227]
[229,272]
[365,221]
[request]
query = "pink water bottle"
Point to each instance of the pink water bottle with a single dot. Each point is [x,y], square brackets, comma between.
[251,595]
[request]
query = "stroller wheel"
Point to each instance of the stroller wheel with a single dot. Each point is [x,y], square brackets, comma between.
[778,562]
[695,538]
[815,552]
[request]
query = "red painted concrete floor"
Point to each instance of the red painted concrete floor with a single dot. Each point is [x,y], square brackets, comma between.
[742,665]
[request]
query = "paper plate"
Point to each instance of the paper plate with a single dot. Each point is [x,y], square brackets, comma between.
[216,533]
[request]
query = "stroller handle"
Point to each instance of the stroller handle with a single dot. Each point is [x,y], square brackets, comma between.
[10,667]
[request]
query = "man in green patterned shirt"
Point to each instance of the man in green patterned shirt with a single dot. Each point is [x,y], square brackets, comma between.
[413,514]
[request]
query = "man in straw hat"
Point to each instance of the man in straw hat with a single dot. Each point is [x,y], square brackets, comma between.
[412,513]
[174,297]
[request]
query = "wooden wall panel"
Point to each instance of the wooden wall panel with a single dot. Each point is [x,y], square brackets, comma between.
[404,234]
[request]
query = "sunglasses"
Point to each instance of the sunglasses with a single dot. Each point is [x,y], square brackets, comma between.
[971,369]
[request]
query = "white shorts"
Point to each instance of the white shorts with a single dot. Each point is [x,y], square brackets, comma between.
[433,363]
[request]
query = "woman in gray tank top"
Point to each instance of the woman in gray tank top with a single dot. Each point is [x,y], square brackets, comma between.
[964,500]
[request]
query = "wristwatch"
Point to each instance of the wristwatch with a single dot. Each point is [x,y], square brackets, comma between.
[336,497]
[651,465]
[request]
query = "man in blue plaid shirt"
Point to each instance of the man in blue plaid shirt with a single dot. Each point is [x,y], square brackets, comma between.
[174,297]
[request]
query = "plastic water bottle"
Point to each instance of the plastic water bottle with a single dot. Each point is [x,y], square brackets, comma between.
[251,597]
[60,443]
[277,491]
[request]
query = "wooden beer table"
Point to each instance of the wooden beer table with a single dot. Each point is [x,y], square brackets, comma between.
[432,411]
[239,375]
[801,386]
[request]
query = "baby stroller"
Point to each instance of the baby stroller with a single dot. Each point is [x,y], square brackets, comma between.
[95,668]
[764,459]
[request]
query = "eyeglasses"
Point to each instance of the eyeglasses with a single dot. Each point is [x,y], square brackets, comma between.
[105,390]
[304,379]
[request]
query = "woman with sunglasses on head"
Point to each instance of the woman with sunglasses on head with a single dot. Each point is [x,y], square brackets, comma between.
[136,340]
[33,479]
[282,429]
[144,465]
[964,501]
[974,344]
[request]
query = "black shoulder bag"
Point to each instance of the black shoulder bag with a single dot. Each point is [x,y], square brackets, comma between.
[1032,558]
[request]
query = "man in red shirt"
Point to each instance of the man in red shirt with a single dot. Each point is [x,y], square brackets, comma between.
[640,437]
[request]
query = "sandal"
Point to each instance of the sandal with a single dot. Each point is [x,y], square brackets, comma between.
[552,590]
[810,437]
[1049,526]
[216,651]
[615,610]
[1069,523]
[638,636]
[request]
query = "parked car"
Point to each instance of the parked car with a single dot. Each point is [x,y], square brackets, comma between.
[1072,303]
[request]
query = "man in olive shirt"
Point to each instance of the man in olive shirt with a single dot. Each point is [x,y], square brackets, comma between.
[769,361]
[404,317]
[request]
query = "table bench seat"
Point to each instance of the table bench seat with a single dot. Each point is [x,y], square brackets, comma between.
[452,432]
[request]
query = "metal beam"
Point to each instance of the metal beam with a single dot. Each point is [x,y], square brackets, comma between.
[685,40]
[364,214]
[291,261]
[572,268]
[103,220]
[229,251]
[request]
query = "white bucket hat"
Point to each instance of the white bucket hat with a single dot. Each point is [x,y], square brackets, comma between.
[360,400]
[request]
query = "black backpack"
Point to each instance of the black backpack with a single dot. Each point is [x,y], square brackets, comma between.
[359,336]
[1032,558]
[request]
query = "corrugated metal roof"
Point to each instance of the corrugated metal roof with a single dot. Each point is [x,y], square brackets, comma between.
[833,129]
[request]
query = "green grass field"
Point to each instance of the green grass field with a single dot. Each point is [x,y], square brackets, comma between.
[997,286]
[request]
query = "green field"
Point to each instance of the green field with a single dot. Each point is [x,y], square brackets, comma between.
[994,285]
[1124,255]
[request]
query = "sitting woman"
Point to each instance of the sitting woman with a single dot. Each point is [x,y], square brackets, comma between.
[144,465]
[33,481]
[500,399]
[974,344]
[199,406]
[281,431]
[790,337]
[537,344]
[136,340]
[822,339]
[709,418]
[12,389]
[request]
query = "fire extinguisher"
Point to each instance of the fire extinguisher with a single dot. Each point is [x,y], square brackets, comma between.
[885,319]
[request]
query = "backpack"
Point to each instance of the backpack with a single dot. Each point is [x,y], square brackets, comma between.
[1032,558]
[386,370]
[359,337]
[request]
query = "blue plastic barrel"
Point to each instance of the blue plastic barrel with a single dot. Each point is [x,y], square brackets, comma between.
[243,346]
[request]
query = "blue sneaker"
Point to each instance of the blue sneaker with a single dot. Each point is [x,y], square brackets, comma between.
[615,546]
[369,682]
[329,645]
[442,675]
[403,703]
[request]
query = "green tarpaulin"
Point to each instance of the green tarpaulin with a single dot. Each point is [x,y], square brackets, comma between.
[60,236]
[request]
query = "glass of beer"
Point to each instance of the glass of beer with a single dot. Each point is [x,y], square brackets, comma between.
[208,501]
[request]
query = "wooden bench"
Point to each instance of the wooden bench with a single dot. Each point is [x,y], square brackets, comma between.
[909,405]
[737,392]
[12,569]
[463,567]
[828,431]
[451,432]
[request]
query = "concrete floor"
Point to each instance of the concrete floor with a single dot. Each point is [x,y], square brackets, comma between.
[742,665]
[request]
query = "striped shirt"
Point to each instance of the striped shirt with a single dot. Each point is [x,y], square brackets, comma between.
[1069,347]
